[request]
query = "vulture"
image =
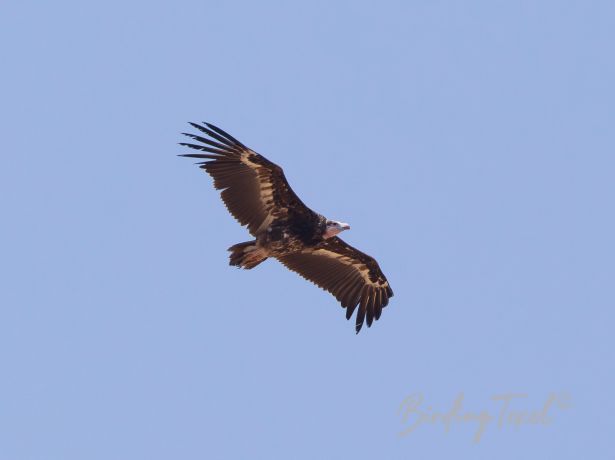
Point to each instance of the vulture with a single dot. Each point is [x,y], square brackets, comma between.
[258,195]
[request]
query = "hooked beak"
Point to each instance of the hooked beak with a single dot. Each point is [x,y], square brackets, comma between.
[346,226]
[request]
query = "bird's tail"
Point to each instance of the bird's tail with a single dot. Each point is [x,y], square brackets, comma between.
[247,255]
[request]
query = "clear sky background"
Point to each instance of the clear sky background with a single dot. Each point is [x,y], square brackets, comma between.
[471,146]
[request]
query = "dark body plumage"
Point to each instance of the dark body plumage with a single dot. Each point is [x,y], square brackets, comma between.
[257,194]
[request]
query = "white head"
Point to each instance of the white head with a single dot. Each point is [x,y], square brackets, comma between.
[334,227]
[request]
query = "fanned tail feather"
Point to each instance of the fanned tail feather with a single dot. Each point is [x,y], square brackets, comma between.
[247,255]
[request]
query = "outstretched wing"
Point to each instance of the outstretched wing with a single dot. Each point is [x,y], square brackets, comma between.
[254,189]
[354,278]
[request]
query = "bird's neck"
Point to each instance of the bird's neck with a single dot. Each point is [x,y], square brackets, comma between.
[330,232]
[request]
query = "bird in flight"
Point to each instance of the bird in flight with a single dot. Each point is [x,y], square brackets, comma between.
[257,194]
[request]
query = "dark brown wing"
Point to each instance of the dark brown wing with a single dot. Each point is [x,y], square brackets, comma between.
[254,189]
[354,278]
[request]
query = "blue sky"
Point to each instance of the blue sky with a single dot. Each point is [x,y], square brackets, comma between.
[469,144]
